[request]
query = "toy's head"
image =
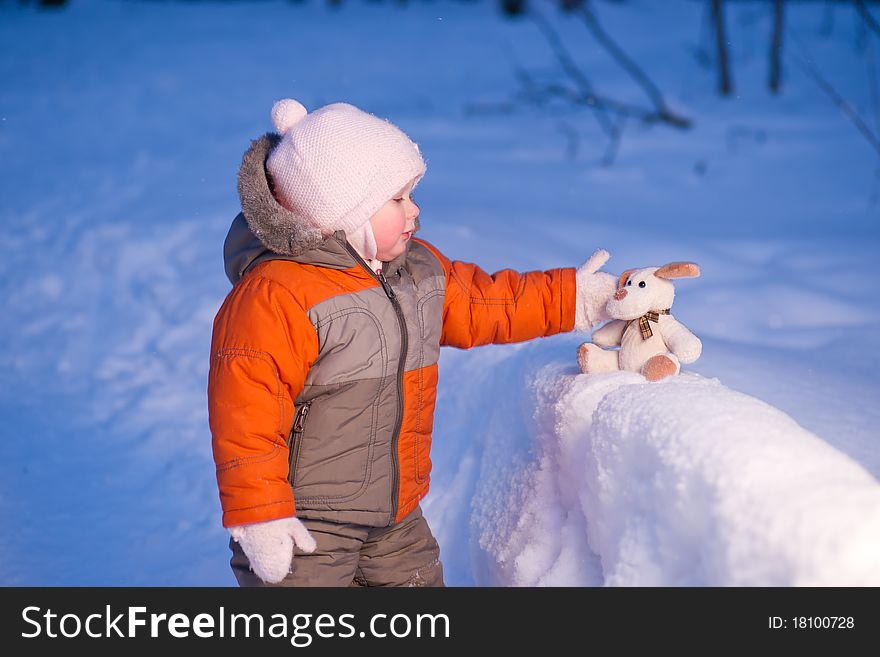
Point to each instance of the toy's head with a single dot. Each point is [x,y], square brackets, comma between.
[641,290]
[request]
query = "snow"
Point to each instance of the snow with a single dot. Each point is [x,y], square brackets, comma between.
[122,125]
[686,482]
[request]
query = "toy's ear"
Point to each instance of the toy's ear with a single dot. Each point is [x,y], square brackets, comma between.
[678,270]
[624,277]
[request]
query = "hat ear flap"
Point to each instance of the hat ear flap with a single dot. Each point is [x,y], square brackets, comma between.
[678,270]
[624,277]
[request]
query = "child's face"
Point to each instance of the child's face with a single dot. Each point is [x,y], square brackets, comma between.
[393,224]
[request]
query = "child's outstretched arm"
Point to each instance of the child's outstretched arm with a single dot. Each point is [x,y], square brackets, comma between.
[261,351]
[507,306]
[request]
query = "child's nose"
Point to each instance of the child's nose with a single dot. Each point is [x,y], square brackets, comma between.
[412,210]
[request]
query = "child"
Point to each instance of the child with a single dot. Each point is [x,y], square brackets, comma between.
[324,356]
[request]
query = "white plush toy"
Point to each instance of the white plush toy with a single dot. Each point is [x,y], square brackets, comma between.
[651,341]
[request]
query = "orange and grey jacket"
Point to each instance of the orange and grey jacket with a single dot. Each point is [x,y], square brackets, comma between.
[323,375]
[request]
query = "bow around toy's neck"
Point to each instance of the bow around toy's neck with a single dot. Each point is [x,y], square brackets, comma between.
[645,322]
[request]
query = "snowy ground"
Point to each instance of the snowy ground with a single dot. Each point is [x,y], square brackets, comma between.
[121,128]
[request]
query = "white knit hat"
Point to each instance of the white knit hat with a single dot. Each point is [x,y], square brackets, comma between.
[337,166]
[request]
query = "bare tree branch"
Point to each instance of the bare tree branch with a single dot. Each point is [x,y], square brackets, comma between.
[626,62]
[614,142]
[872,85]
[611,114]
[622,58]
[805,63]
[574,139]
[588,96]
[571,69]
[725,83]
[776,46]
[870,21]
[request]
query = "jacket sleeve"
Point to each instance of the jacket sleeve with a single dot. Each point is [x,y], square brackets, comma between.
[261,351]
[505,307]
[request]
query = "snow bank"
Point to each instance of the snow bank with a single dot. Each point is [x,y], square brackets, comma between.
[682,482]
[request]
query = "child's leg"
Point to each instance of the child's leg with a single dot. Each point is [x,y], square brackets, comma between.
[405,554]
[333,563]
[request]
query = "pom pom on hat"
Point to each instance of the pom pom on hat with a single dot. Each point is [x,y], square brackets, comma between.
[287,113]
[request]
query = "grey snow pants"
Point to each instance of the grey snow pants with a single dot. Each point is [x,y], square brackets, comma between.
[405,554]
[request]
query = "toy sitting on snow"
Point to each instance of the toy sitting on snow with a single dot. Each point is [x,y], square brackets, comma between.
[651,341]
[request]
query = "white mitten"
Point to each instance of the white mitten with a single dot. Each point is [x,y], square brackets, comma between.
[594,288]
[269,545]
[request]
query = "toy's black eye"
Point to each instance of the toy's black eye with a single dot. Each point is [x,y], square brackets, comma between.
[642,284]
[629,282]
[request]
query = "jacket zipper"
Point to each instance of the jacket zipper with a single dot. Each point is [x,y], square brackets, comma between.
[395,475]
[295,441]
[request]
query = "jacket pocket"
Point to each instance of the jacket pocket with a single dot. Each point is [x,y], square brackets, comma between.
[294,441]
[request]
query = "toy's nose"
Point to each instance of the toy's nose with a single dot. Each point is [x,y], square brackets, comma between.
[620,294]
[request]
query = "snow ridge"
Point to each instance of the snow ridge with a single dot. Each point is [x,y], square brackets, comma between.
[678,483]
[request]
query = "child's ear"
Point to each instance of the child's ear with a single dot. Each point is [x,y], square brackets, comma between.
[678,270]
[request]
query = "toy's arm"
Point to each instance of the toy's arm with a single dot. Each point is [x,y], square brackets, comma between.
[610,334]
[680,341]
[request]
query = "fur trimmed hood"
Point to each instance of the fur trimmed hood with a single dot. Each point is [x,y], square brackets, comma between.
[266,230]
[278,228]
